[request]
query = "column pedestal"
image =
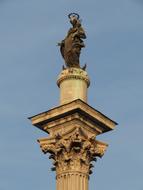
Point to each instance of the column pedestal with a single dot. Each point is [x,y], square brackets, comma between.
[73,84]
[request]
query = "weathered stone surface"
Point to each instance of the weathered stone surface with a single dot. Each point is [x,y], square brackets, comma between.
[73,151]
[77,112]
[72,143]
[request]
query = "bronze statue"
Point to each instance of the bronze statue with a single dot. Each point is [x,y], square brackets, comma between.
[71,46]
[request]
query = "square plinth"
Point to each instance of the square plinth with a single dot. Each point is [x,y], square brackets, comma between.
[75,113]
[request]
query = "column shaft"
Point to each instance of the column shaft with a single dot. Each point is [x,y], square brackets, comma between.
[72,181]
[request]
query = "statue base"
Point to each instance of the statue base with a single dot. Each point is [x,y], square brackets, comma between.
[73,84]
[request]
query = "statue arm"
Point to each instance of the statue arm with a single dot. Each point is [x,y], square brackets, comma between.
[62,46]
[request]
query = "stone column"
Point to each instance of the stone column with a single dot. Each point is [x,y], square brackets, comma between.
[73,84]
[73,125]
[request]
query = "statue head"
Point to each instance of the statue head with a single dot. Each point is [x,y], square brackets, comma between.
[74,19]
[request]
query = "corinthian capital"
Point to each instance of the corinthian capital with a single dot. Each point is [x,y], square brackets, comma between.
[73,152]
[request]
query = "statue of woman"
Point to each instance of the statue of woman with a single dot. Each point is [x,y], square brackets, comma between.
[71,46]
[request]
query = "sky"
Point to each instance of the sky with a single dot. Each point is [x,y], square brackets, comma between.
[30,62]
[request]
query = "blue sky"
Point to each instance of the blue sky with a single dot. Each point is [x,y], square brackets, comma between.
[30,62]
